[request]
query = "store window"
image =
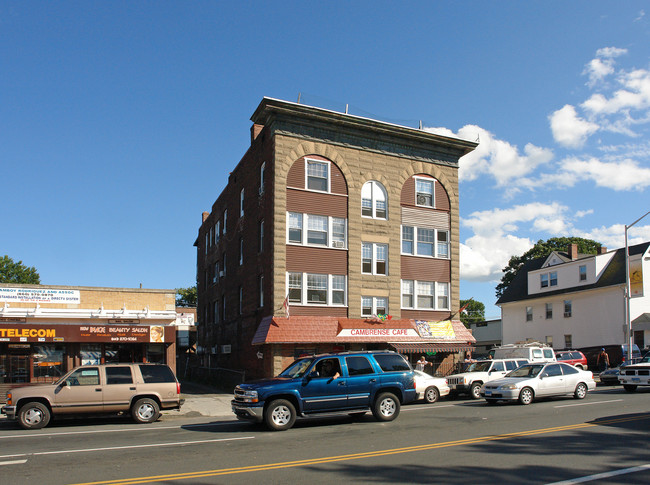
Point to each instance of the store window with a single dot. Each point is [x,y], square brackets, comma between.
[156,353]
[91,354]
[48,362]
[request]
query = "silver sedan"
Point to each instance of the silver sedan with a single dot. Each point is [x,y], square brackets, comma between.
[531,381]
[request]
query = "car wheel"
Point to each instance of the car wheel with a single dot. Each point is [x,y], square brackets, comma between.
[145,410]
[386,407]
[581,391]
[526,396]
[33,415]
[629,387]
[475,390]
[491,402]
[280,415]
[431,394]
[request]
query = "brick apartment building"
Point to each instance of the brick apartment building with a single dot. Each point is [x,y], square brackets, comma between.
[334,232]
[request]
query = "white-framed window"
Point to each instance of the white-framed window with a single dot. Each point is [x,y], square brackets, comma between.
[215,276]
[225,219]
[582,270]
[408,245]
[425,295]
[549,340]
[374,200]
[260,246]
[548,279]
[217,232]
[567,308]
[315,230]
[407,293]
[295,287]
[424,195]
[262,174]
[374,258]
[241,251]
[425,242]
[295,228]
[529,313]
[374,305]
[261,290]
[241,203]
[207,241]
[318,175]
[317,289]
[549,311]
[442,296]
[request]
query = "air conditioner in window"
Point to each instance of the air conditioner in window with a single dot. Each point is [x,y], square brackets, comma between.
[338,244]
[225,349]
[422,200]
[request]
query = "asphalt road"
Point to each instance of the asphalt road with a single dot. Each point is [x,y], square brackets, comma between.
[460,441]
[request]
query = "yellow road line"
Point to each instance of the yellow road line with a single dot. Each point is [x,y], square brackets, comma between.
[359,456]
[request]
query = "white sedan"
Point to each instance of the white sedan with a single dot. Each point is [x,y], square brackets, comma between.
[542,379]
[430,388]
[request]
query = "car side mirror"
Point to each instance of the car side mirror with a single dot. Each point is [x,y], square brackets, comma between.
[314,373]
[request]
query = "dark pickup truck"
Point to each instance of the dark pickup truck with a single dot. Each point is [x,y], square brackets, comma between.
[349,382]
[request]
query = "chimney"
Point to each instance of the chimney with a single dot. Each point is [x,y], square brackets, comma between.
[602,250]
[255,130]
[573,252]
[205,215]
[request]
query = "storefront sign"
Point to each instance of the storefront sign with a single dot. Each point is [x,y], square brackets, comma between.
[86,333]
[377,332]
[40,295]
[443,329]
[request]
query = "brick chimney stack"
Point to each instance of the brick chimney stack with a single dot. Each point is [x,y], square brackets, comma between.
[205,216]
[602,250]
[573,252]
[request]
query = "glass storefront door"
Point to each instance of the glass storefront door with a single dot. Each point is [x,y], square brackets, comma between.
[14,364]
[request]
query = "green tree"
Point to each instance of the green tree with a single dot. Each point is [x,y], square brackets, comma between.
[12,272]
[541,250]
[473,312]
[186,297]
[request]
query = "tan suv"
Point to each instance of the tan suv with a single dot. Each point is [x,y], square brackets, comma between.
[139,389]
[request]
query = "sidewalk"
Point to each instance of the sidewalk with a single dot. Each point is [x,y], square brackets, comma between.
[203,400]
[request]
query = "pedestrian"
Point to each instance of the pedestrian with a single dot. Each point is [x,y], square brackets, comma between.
[603,360]
[420,364]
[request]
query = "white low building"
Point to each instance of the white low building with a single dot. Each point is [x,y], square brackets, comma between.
[572,300]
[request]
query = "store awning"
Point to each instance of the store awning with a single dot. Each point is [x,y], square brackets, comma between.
[415,348]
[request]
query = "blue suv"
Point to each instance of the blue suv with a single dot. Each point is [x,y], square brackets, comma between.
[348,382]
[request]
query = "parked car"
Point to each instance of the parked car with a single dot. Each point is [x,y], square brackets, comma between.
[430,388]
[480,372]
[348,382]
[634,375]
[535,380]
[609,377]
[139,389]
[572,357]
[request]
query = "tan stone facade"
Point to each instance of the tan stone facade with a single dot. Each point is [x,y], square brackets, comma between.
[242,274]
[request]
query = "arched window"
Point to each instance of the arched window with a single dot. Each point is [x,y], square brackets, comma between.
[374,200]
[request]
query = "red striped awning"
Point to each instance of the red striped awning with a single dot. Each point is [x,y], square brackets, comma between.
[411,348]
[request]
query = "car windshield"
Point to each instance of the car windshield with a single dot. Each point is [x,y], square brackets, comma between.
[297,369]
[530,370]
[480,366]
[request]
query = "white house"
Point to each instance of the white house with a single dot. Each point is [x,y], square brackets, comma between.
[572,300]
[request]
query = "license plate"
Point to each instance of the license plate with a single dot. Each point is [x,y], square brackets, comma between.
[636,379]
[488,393]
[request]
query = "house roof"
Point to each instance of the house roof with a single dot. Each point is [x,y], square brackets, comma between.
[310,329]
[613,275]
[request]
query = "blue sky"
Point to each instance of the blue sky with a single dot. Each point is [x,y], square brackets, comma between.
[120,121]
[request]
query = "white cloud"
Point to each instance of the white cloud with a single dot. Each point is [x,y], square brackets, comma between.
[602,65]
[569,129]
[484,255]
[620,175]
[495,157]
[613,237]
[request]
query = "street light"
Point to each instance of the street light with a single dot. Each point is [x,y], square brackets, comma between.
[627,291]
